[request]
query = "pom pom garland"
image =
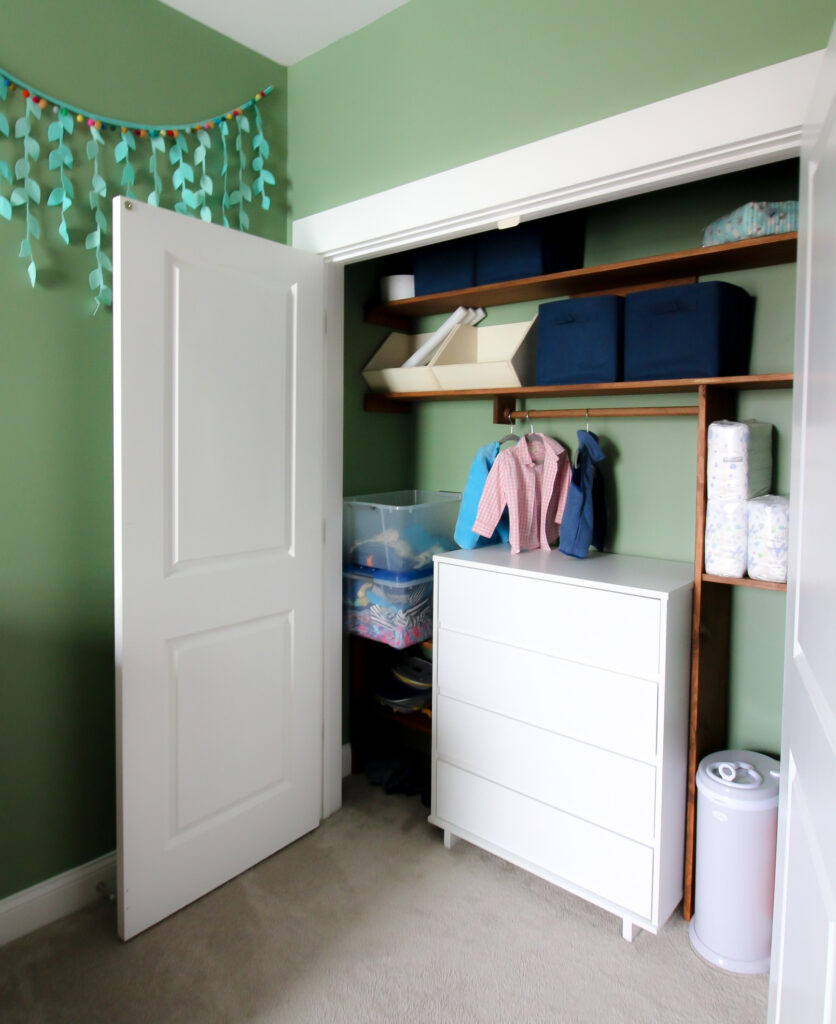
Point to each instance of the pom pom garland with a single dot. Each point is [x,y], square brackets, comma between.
[108,124]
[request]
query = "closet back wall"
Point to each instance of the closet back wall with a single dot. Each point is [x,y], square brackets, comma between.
[142,61]
[650,463]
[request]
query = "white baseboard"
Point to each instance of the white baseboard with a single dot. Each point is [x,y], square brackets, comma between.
[56,897]
[48,901]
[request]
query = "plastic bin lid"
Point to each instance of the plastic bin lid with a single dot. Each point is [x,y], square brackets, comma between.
[740,777]
[386,576]
[406,500]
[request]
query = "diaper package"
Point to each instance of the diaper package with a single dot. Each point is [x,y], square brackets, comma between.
[767,538]
[739,460]
[726,537]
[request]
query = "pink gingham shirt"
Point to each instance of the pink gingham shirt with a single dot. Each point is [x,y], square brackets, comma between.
[532,479]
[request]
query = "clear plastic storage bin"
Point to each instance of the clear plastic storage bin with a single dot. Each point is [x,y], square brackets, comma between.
[392,608]
[399,531]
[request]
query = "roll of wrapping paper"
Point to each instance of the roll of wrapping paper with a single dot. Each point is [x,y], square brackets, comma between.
[424,353]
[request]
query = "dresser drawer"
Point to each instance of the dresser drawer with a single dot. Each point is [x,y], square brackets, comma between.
[593,705]
[614,868]
[604,788]
[604,628]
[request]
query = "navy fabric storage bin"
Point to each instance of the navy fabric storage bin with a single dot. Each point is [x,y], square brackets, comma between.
[444,267]
[537,247]
[690,330]
[579,340]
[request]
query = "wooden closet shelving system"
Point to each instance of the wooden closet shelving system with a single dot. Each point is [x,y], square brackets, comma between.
[716,399]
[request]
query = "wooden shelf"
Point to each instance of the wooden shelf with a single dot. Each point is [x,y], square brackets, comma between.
[619,278]
[416,720]
[743,581]
[397,401]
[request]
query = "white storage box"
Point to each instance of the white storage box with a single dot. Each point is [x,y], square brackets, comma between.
[385,370]
[501,356]
[399,531]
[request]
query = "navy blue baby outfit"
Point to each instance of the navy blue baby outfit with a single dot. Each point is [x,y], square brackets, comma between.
[585,516]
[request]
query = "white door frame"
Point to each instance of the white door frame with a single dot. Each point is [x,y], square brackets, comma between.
[740,122]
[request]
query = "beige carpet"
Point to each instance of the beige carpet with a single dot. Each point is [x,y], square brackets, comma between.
[369,919]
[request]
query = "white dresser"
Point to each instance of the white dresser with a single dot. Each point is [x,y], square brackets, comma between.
[560,719]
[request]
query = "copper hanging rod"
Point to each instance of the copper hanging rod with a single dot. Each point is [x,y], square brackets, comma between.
[642,410]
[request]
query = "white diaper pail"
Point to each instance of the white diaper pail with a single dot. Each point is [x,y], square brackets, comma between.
[737,823]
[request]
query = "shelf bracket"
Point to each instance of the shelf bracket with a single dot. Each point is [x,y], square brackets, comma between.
[503,409]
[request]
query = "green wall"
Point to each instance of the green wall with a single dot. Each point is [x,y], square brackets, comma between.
[651,464]
[140,61]
[437,83]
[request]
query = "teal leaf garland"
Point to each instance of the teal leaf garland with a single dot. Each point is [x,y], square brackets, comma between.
[204,143]
[5,170]
[195,188]
[183,175]
[98,191]
[30,191]
[157,144]
[261,151]
[243,192]
[61,158]
[122,154]
[224,131]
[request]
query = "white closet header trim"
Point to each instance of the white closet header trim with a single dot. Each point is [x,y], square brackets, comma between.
[751,119]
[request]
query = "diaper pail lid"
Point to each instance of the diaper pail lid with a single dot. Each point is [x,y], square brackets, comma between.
[740,777]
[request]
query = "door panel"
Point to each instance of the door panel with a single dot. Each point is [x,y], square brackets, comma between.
[803,966]
[226,498]
[219,446]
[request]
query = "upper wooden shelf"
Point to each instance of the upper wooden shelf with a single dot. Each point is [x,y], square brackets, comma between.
[626,276]
[401,400]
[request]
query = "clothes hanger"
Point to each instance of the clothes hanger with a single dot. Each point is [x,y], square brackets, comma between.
[512,436]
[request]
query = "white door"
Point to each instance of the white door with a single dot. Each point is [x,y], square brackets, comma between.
[219,531]
[803,969]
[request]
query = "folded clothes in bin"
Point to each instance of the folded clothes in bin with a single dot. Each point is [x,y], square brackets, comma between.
[390,607]
[399,531]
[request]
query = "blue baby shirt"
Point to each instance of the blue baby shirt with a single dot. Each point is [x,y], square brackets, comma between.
[476,477]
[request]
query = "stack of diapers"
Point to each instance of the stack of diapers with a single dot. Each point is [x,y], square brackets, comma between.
[739,467]
[739,460]
[767,538]
[726,536]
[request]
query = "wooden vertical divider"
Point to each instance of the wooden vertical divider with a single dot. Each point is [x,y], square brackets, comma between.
[708,723]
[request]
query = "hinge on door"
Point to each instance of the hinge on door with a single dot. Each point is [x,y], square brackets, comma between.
[324,525]
[325,325]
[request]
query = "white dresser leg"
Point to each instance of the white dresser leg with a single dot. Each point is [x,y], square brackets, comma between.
[628,929]
[449,839]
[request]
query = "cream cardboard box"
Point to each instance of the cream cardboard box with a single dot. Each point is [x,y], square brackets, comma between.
[501,356]
[385,370]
